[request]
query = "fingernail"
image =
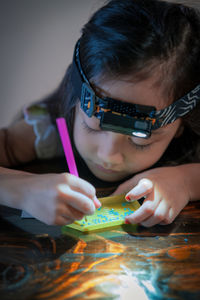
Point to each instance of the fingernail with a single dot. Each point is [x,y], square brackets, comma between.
[128,198]
[127,221]
[97,203]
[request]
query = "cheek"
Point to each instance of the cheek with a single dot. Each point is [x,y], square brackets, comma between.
[142,160]
[159,147]
[156,152]
[82,140]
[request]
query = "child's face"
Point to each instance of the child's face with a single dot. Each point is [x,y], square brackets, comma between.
[112,156]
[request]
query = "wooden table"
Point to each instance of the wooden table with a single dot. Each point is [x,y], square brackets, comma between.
[129,262]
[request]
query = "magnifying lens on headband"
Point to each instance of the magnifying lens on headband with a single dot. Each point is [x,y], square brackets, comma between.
[123,117]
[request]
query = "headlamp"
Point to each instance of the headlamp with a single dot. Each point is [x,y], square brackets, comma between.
[122,117]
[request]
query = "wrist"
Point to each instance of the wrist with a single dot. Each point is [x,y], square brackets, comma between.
[12,188]
[191,177]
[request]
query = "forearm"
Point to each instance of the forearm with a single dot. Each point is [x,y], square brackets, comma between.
[8,180]
[192,179]
[4,171]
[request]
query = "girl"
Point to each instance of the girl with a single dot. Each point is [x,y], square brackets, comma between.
[131,101]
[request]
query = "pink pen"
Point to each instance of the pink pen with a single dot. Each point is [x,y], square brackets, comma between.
[67,147]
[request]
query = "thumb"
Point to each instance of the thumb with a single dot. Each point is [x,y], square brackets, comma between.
[126,186]
[143,188]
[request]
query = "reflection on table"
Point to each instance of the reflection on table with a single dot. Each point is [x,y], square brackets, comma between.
[128,262]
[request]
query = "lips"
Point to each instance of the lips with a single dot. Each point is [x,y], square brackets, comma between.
[105,170]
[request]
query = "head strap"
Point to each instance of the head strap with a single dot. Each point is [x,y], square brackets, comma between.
[123,117]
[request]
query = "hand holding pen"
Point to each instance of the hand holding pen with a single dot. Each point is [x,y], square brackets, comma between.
[80,191]
[54,199]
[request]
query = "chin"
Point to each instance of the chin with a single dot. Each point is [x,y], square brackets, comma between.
[107,177]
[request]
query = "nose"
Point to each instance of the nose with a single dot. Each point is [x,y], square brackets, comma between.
[110,150]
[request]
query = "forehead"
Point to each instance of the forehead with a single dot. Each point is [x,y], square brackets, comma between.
[146,92]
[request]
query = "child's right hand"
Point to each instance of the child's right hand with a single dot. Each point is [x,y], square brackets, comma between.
[55,199]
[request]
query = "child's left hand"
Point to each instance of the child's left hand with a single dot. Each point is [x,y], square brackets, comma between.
[165,191]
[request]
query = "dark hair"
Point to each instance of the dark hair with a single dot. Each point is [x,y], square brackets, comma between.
[137,38]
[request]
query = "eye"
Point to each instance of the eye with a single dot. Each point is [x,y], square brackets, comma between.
[132,143]
[89,129]
[139,146]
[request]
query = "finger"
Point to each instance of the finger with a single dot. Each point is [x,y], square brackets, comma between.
[69,212]
[158,216]
[75,199]
[124,187]
[121,189]
[62,220]
[80,185]
[97,203]
[170,217]
[145,211]
[143,188]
